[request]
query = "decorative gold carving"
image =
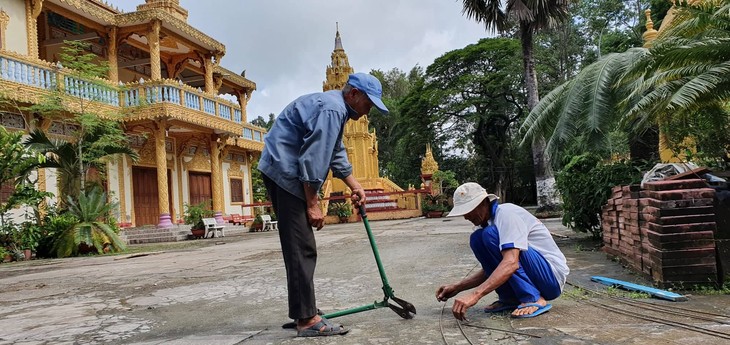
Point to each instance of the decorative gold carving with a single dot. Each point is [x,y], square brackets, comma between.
[339,69]
[236,78]
[42,180]
[171,6]
[112,54]
[4,21]
[235,170]
[147,154]
[200,162]
[428,164]
[153,39]
[650,34]
[216,173]
[161,159]
[208,66]
[183,27]
[122,192]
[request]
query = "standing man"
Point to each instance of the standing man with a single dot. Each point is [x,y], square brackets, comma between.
[519,258]
[299,150]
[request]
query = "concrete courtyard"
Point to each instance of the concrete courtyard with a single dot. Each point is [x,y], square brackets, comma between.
[232,290]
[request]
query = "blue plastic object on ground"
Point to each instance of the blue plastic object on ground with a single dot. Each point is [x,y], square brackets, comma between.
[663,294]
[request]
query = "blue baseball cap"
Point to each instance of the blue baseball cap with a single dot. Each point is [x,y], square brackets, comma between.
[370,86]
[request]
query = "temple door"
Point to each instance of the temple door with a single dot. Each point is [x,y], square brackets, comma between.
[200,189]
[146,194]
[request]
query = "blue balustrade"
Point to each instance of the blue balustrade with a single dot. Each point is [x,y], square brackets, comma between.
[248,133]
[224,111]
[47,78]
[192,100]
[209,106]
[257,136]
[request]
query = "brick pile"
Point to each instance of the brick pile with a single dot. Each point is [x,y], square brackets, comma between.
[665,231]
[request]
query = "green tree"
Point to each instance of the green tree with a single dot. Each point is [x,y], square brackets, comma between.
[392,128]
[98,134]
[261,122]
[531,17]
[475,101]
[680,83]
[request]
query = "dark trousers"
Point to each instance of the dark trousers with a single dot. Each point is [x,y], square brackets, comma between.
[534,277]
[298,247]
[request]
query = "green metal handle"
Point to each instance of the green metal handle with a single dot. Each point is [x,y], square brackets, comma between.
[386,287]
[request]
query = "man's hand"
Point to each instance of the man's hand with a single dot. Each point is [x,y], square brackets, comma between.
[314,214]
[358,197]
[445,292]
[463,303]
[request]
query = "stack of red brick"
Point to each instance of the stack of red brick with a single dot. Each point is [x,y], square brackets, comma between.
[665,231]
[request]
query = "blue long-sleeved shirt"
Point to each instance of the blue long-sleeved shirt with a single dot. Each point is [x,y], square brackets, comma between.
[306,141]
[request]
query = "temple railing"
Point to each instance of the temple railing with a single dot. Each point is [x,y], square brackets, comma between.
[39,75]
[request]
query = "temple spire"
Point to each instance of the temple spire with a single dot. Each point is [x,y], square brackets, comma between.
[338,40]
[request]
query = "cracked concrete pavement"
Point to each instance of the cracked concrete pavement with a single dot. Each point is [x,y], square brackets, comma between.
[232,291]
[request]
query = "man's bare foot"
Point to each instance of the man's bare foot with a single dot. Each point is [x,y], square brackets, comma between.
[498,306]
[529,310]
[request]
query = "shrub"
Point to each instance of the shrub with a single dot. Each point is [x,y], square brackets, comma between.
[585,184]
[194,214]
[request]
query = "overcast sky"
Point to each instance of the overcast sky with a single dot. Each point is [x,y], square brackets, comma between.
[285,45]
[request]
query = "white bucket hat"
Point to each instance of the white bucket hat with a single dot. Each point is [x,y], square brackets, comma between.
[467,197]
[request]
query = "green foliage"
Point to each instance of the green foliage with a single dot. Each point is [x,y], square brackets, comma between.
[98,136]
[680,83]
[341,209]
[257,184]
[437,203]
[91,230]
[266,124]
[194,214]
[446,181]
[404,128]
[585,184]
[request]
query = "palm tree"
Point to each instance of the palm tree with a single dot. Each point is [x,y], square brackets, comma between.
[90,209]
[531,16]
[685,74]
[65,156]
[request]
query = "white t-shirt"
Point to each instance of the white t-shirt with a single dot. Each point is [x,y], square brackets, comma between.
[519,229]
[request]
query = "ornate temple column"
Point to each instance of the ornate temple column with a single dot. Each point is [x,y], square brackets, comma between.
[161,160]
[32,10]
[216,173]
[153,39]
[112,54]
[208,66]
[243,96]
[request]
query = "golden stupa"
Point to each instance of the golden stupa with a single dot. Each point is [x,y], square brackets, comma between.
[360,142]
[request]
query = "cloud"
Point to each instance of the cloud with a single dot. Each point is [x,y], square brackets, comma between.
[285,45]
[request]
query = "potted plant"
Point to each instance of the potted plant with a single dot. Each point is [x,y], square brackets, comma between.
[343,210]
[434,206]
[5,255]
[257,224]
[194,215]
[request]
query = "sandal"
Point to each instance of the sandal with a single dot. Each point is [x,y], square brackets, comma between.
[293,324]
[323,328]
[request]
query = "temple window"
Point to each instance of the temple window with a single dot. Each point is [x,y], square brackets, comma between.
[236,190]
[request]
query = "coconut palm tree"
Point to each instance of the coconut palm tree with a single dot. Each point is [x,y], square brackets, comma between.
[685,74]
[531,17]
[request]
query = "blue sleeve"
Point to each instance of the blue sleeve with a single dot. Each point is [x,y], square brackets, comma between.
[319,142]
[341,166]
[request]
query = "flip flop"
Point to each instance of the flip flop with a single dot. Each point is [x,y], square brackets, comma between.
[323,328]
[503,307]
[293,324]
[540,310]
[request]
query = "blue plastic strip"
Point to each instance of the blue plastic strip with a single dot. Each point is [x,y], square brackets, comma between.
[663,294]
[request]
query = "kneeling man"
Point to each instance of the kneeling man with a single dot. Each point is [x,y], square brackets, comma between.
[519,258]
